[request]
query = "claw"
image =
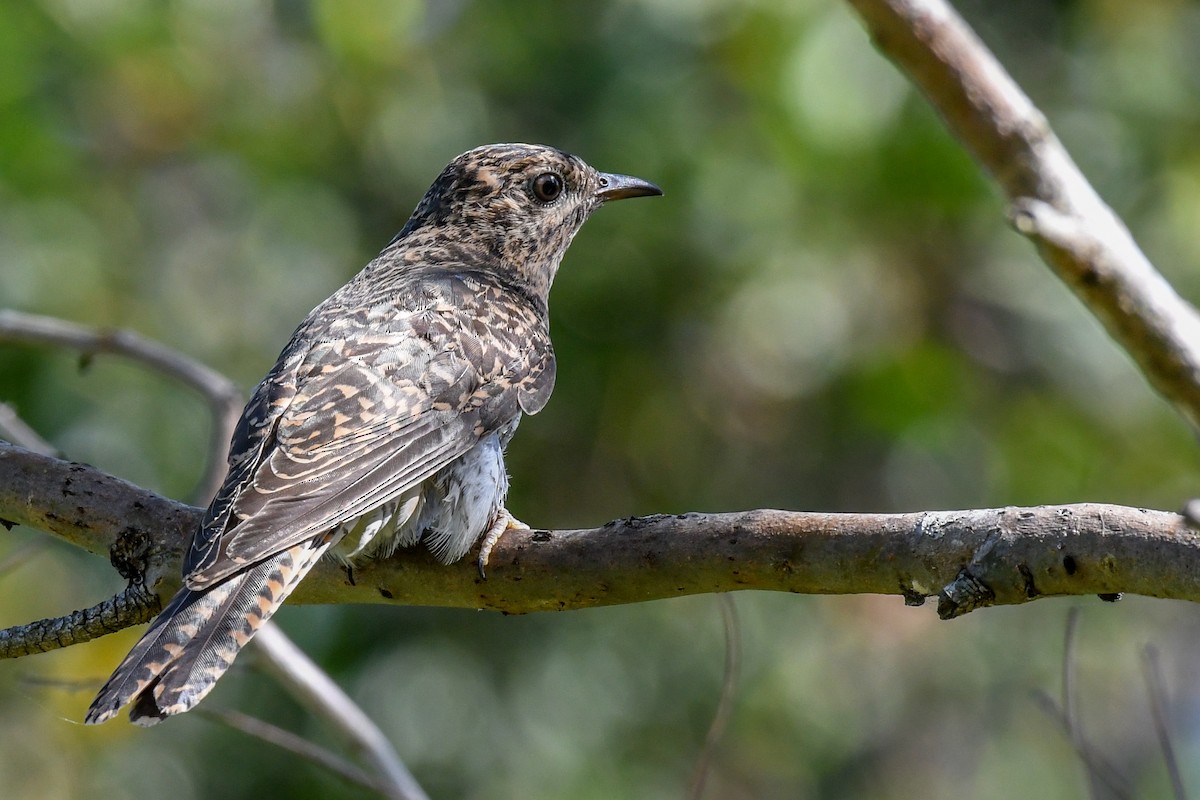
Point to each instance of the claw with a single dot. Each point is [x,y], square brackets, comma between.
[505,522]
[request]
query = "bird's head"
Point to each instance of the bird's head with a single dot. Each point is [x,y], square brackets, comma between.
[519,203]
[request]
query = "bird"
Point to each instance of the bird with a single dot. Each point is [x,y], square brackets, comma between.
[384,421]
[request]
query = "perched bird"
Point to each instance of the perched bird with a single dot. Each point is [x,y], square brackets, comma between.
[385,419]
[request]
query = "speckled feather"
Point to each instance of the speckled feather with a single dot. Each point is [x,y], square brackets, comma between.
[384,420]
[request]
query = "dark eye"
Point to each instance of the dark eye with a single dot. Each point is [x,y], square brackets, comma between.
[547,187]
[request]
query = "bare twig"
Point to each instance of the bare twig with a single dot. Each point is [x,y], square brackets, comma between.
[1096,765]
[1152,670]
[729,682]
[82,685]
[1079,236]
[273,734]
[306,682]
[223,398]
[1098,771]
[16,430]
[18,557]
[1069,716]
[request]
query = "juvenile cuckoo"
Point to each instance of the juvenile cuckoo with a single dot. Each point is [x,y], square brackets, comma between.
[384,421]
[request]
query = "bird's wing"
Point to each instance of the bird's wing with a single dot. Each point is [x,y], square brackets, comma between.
[537,382]
[360,420]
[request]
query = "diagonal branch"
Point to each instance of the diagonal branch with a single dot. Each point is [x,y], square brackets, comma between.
[309,684]
[298,745]
[16,430]
[1052,203]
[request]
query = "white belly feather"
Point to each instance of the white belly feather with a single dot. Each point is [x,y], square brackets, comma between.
[449,511]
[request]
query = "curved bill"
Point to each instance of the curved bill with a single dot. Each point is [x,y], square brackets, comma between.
[618,187]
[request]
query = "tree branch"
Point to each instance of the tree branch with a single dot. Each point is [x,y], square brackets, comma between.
[1100,773]
[135,556]
[968,559]
[16,430]
[309,684]
[223,398]
[1052,203]
[273,734]
[131,606]
[1156,687]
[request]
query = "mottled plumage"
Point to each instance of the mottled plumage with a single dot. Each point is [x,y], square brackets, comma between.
[384,421]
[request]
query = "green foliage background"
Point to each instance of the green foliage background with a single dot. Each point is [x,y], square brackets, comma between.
[825,312]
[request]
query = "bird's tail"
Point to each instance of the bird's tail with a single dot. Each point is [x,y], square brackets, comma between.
[197,636]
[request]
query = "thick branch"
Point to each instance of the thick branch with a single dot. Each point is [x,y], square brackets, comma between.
[1079,236]
[93,510]
[967,559]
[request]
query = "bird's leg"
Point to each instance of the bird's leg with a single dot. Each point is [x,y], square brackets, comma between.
[505,521]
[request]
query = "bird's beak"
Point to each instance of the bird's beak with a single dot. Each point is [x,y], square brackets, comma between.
[618,187]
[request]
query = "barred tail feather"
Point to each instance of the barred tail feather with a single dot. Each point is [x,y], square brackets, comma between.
[162,643]
[196,638]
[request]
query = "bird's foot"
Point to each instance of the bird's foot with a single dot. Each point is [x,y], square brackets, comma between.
[505,522]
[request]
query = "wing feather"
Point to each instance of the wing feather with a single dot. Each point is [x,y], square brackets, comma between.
[365,416]
[325,470]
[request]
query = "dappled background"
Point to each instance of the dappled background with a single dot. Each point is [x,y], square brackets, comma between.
[825,312]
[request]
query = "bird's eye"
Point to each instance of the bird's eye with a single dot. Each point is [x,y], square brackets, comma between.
[547,187]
